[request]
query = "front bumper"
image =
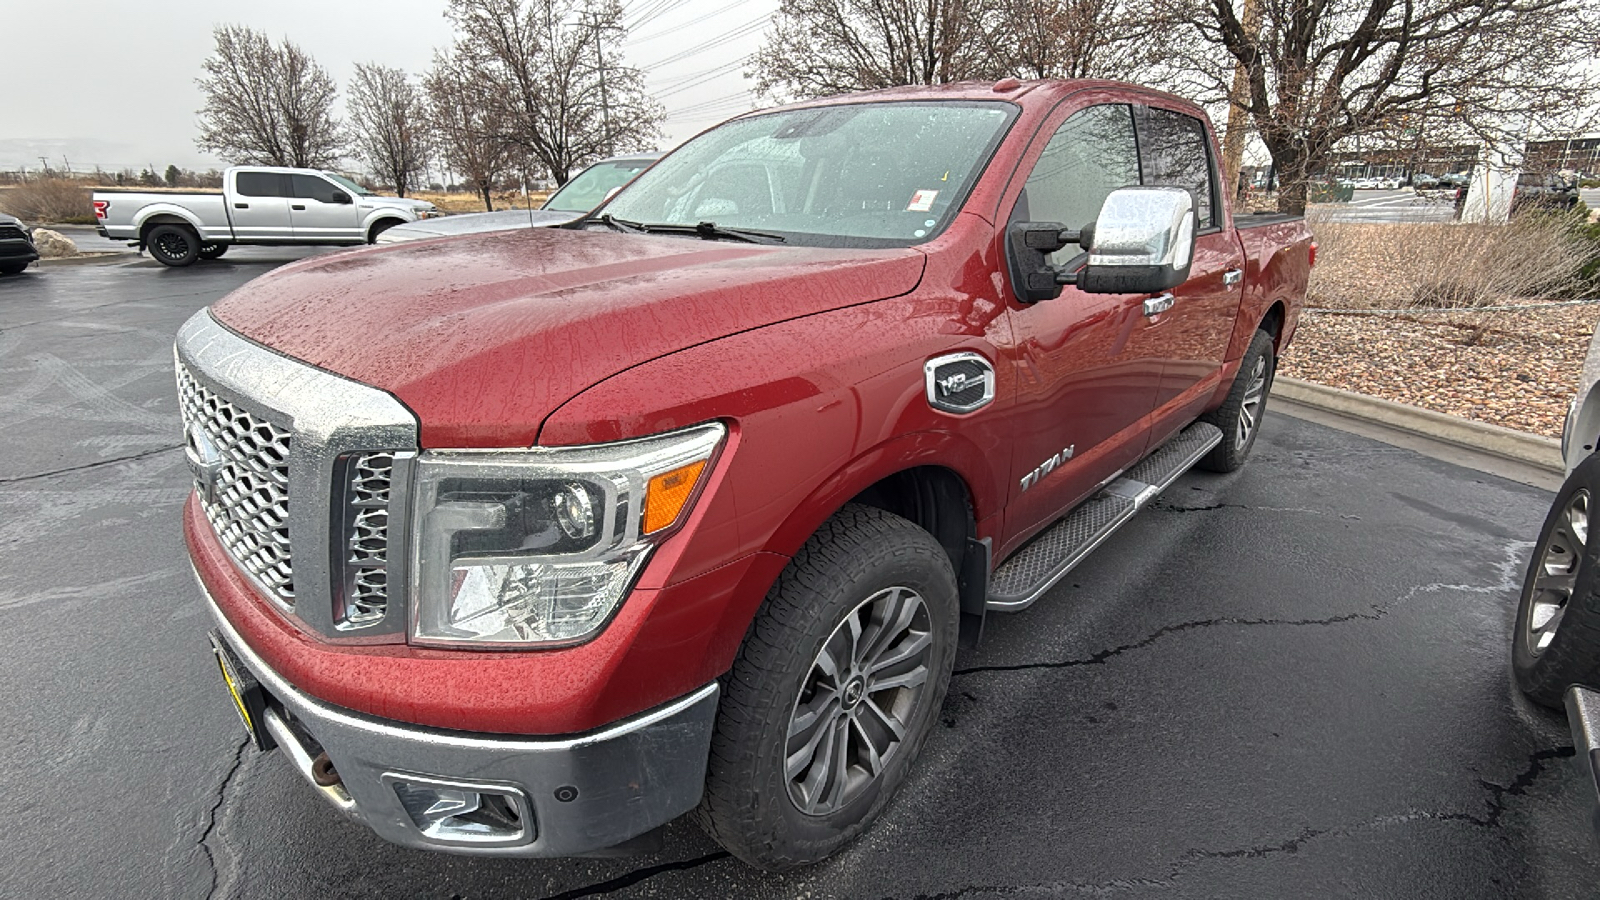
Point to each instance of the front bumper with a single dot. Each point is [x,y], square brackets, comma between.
[580,794]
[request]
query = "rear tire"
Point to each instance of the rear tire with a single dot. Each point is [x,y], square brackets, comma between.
[1240,414]
[12,268]
[173,245]
[1556,641]
[854,643]
[212,251]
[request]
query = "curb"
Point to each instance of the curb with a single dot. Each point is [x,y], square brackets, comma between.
[1541,452]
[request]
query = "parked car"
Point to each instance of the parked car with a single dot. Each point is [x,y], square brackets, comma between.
[1555,646]
[16,245]
[581,193]
[529,543]
[257,205]
[1543,191]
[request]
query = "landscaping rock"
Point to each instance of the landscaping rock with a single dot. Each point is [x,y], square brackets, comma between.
[53,244]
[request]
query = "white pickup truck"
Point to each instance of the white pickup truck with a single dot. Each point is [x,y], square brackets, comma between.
[257,205]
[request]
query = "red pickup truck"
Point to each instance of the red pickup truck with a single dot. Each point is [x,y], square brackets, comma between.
[526,544]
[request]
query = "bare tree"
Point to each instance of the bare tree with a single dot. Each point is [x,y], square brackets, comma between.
[821,47]
[1074,38]
[388,119]
[1321,72]
[466,126]
[265,104]
[555,72]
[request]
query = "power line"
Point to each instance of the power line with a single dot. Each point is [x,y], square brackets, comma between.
[682,25]
[717,41]
[699,78]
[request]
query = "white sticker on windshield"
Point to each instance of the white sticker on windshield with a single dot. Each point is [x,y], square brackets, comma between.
[930,223]
[922,201]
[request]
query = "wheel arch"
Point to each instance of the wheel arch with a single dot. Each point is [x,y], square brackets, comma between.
[383,220]
[168,216]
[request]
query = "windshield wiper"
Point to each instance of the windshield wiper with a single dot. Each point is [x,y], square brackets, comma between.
[711,231]
[622,225]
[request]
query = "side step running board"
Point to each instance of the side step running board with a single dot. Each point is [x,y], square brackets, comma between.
[1036,568]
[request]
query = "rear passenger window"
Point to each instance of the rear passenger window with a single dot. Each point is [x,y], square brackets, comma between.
[310,187]
[257,184]
[1092,154]
[1174,150]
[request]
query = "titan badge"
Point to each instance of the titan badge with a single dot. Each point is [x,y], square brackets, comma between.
[1048,466]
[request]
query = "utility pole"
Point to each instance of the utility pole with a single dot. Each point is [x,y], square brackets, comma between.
[605,100]
[1233,140]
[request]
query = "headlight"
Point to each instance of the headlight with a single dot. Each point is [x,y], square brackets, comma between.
[518,548]
[429,213]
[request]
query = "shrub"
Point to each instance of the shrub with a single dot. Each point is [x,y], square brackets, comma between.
[50,201]
[1452,265]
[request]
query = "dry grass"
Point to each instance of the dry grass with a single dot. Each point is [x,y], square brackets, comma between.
[49,201]
[471,203]
[1447,265]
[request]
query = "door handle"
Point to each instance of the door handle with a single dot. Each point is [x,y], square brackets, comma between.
[300,206]
[241,206]
[1232,277]
[1158,305]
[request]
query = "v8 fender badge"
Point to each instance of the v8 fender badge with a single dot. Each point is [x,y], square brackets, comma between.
[959,383]
[1048,466]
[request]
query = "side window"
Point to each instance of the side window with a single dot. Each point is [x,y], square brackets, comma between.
[1092,154]
[310,187]
[1173,148]
[257,184]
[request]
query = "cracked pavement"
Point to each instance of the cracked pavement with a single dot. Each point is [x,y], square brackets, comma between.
[1290,681]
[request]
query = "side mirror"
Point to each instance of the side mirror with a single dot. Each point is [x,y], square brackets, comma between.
[1143,242]
[340,197]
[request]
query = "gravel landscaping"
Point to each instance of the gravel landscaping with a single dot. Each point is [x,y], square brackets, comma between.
[1515,369]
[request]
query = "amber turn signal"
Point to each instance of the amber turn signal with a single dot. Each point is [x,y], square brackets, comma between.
[666,495]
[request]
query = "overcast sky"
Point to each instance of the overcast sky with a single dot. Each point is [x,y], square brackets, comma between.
[112,83]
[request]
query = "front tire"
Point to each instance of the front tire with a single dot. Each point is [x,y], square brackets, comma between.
[1556,640]
[379,228]
[173,245]
[12,268]
[1240,414]
[835,688]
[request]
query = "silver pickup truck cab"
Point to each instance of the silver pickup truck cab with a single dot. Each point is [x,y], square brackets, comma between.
[257,205]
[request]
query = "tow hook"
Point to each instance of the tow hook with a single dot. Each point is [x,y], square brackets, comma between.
[323,772]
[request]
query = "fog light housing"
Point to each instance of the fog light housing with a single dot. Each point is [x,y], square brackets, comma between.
[464,813]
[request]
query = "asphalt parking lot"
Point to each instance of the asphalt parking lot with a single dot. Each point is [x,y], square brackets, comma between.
[1287,682]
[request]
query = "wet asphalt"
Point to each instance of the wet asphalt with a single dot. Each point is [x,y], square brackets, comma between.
[1291,681]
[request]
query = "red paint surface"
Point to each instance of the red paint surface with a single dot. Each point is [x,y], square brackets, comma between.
[813,357]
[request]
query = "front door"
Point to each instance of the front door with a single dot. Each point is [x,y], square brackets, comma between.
[323,211]
[1086,373]
[1192,337]
[259,207]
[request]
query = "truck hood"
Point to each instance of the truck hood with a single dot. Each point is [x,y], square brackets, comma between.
[484,337]
[476,223]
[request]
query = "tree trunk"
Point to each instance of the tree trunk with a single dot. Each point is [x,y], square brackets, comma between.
[488,202]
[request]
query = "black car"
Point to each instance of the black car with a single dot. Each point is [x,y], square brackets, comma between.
[16,246]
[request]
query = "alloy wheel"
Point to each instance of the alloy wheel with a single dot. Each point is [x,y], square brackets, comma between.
[1556,574]
[858,700]
[1250,409]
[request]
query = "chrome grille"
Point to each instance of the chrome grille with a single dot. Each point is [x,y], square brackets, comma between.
[366,564]
[245,493]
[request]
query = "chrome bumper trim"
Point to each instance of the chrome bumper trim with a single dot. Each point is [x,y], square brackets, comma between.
[588,792]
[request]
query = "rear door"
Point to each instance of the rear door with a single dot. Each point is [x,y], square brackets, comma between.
[323,211]
[1192,337]
[259,207]
[1086,376]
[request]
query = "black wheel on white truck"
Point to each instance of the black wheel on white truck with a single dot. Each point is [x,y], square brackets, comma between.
[212,250]
[173,245]
[836,686]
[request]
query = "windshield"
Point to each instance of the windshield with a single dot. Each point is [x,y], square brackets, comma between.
[354,188]
[866,174]
[589,188]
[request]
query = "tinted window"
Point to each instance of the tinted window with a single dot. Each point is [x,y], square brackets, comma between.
[1092,154]
[310,187]
[257,184]
[1173,147]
